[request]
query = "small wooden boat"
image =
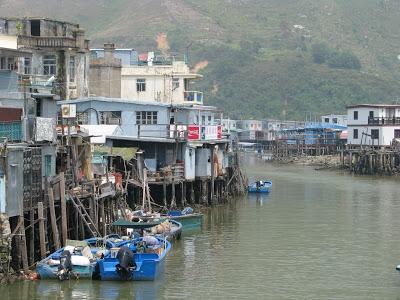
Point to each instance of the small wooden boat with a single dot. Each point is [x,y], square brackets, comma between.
[260,187]
[135,260]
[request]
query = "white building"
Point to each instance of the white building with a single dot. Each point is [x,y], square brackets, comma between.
[373,124]
[148,77]
[334,119]
[228,125]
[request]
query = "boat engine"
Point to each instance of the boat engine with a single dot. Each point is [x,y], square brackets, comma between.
[65,267]
[126,263]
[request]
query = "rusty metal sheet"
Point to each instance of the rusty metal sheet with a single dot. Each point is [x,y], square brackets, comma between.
[8,114]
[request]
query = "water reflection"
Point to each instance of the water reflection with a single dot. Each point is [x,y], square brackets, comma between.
[317,235]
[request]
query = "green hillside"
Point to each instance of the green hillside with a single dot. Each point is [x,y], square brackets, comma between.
[266,58]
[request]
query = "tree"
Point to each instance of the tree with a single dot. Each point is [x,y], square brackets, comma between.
[320,53]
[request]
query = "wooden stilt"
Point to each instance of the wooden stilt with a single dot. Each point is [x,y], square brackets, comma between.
[63,206]
[22,242]
[42,238]
[53,220]
[32,236]
[164,193]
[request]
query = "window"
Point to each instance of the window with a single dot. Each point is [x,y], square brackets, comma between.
[334,120]
[355,133]
[82,118]
[72,69]
[35,27]
[47,165]
[49,65]
[355,115]
[375,134]
[3,63]
[140,85]
[175,83]
[371,114]
[11,65]
[146,117]
[326,120]
[397,133]
[110,117]
[27,65]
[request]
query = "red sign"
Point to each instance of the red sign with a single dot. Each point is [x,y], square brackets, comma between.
[193,132]
[219,132]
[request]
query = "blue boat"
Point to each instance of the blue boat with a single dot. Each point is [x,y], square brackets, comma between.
[260,187]
[136,260]
[81,256]
[52,267]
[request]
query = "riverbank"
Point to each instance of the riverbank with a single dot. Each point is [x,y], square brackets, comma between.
[321,161]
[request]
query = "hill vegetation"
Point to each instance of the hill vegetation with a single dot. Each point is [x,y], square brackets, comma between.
[263,58]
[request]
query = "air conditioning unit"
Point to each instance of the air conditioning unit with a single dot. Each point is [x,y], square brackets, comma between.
[68,111]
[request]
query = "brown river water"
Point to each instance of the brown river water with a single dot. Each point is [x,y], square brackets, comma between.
[317,235]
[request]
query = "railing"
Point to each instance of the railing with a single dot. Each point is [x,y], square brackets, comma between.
[46,42]
[193,96]
[384,121]
[181,132]
[38,81]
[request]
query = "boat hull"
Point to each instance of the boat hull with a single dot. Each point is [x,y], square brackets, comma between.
[149,266]
[46,271]
[254,188]
[190,221]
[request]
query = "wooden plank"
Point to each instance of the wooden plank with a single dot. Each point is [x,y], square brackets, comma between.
[53,221]
[42,239]
[63,206]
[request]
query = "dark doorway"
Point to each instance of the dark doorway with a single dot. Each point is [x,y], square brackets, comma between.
[35,27]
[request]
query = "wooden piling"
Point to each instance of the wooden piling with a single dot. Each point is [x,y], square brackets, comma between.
[53,219]
[63,206]
[42,239]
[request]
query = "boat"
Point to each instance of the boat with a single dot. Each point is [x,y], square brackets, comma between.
[74,261]
[153,225]
[260,187]
[187,218]
[139,259]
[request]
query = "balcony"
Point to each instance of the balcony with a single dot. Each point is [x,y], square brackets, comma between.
[181,132]
[193,97]
[380,121]
[46,42]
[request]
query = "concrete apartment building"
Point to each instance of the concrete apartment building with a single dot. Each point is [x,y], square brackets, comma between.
[373,124]
[58,50]
[145,77]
